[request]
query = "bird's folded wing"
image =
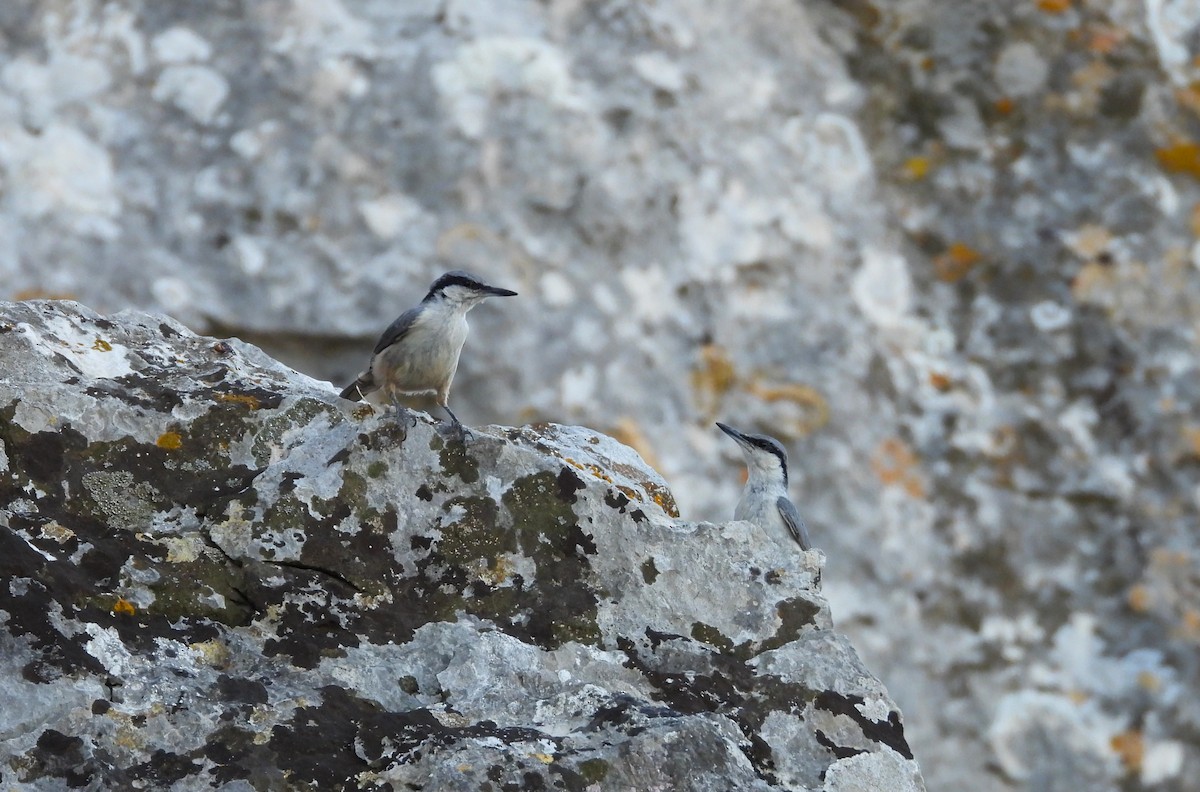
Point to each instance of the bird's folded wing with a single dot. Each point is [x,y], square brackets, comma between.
[397,329]
[791,518]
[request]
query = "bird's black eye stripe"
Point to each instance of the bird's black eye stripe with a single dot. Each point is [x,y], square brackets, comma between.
[765,444]
[456,278]
[772,447]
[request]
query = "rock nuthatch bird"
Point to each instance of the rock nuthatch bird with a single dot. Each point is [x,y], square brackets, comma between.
[765,498]
[418,353]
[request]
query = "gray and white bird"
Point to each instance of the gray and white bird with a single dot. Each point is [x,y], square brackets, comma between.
[765,499]
[419,352]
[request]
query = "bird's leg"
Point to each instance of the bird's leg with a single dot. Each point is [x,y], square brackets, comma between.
[463,432]
[402,411]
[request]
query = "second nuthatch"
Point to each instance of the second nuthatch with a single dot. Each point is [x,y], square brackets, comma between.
[765,499]
[419,352]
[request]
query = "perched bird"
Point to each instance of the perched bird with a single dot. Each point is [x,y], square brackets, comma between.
[418,353]
[765,499]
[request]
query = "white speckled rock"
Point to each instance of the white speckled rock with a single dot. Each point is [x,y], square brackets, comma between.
[213,571]
[945,250]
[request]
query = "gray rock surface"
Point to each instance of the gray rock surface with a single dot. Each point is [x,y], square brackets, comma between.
[945,250]
[216,574]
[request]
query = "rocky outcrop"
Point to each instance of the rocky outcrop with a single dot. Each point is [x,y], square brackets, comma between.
[216,574]
[944,250]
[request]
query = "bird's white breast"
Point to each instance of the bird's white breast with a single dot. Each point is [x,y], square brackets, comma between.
[427,357]
[760,506]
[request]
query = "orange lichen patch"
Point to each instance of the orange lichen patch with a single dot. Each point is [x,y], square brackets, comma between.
[1163,558]
[1189,97]
[628,432]
[629,492]
[865,14]
[713,377]
[1105,39]
[916,168]
[812,415]
[124,607]
[1139,598]
[1149,682]
[1189,625]
[1195,220]
[239,398]
[664,499]
[594,470]
[39,294]
[1053,6]
[1089,241]
[1092,79]
[896,465]
[498,572]
[102,346]
[953,265]
[939,381]
[1130,746]
[1182,157]
[1005,105]
[1092,281]
[1191,436]
[171,441]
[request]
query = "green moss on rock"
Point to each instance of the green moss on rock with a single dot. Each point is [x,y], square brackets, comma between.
[455,460]
[548,531]
[593,770]
[474,535]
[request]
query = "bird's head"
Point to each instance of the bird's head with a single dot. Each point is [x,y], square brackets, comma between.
[764,455]
[463,288]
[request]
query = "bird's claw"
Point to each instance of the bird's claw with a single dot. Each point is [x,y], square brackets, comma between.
[456,430]
[403,412]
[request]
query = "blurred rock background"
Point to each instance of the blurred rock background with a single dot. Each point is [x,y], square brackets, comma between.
[946,251]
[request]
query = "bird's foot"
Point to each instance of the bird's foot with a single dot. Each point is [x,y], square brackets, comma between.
[456,425]
[455,430]
[403,414]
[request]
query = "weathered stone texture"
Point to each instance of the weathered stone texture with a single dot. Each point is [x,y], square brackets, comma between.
[214,573]
[946,250]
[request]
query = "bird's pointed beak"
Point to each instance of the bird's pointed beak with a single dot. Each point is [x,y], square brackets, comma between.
[496,291]
[734,433]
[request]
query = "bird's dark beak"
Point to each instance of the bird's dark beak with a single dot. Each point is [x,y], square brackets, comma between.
[495,291]
[729,430]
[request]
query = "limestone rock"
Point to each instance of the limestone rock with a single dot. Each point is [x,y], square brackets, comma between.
[216,574]
[945,250]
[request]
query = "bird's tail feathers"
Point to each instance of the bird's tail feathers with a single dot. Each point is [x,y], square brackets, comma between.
[359,388]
